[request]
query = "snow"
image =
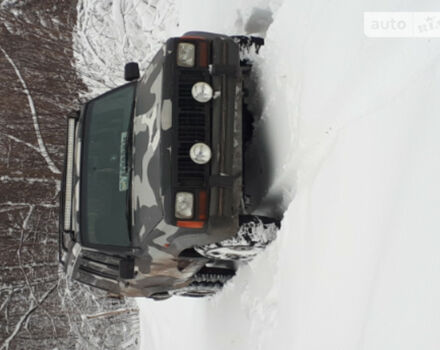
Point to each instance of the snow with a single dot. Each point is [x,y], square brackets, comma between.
[111,33]
[353,158]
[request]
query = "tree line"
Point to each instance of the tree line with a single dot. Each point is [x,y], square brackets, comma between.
[39,86]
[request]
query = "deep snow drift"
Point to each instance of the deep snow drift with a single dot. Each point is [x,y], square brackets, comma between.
[351,151]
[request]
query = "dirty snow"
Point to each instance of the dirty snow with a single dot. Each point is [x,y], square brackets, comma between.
[348,147]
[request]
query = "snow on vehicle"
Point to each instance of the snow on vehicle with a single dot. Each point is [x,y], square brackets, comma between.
[152,194]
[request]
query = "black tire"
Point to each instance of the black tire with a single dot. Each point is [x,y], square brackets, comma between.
[248,243]
[131,71]
[161,296]
[244,252]
[246,42]
[205,284]
[245,219]
[198,290]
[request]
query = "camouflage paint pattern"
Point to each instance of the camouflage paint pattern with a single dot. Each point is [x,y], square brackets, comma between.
[157,244]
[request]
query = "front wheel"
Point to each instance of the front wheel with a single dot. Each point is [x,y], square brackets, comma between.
[205,284]
[245,42]
[255,234]
[198,290]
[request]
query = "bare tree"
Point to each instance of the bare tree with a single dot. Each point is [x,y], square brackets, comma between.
[39,309]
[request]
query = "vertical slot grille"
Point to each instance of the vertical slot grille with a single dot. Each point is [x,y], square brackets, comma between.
[193,126]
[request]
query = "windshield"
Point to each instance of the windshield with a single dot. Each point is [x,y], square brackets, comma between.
[105,187]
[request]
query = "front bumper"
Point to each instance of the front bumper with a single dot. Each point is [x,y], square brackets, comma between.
[226,166]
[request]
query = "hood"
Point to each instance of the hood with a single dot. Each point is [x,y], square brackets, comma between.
[147,203]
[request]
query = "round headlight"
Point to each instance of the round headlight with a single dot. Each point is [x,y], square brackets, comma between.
[200,153]
[202,92]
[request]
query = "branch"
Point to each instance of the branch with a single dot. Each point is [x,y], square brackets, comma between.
[26,219]
[29,266]
[41,145]
[29,180]
[19,204]
[24,318]
[111,313]
[8,298]
[19,287]
[21,141]
[24,227]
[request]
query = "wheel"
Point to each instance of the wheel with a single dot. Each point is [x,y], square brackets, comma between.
[161,296]
[198,290]
[255,234]
[204,284]
[232,252]
[131,71]
[265,220]
[246,42]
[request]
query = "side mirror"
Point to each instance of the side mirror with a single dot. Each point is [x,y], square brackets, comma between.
[126,268]
[131,71]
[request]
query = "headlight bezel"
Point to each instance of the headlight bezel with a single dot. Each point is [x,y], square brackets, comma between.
[203,96]
[186,48]
[181,198]
[193,155]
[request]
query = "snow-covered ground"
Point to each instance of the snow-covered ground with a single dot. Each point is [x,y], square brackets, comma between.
[352,155]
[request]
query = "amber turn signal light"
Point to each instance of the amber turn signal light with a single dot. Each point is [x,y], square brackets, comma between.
[190,224]
[203,205]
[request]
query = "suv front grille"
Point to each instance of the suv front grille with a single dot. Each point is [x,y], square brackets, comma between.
[192,126]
